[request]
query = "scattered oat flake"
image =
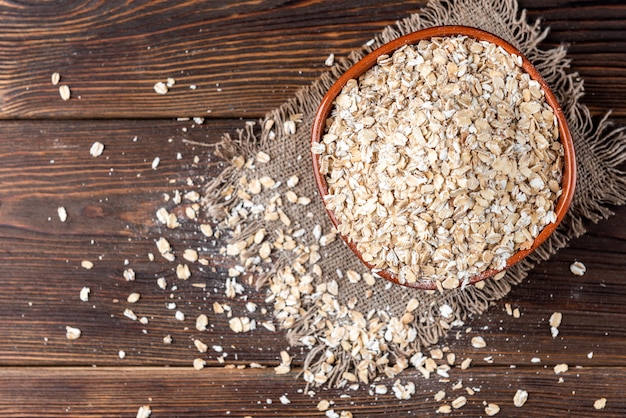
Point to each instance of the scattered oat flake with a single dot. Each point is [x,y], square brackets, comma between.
[133,298]
[155,163]
[444,409]
[293,181]
[161,88]
[282,369]
[202,347]
[201,322]
[577,268]
[182,271]
[55,78]
[561,368]
[380,389]
[459,402]
[65,92]
[478,342]
[62,213]
[236,324]
[97,148]
[330,60]
[121,354]
[323,405]
[520,398]
[162,283]
[180,316]
[439,396]
[72,333]
[144,411]
[599,403]
[284,400]
[207,230]
[129,275]
[289,127]
[130,314]
[190,255]
[555,319]
[84,294]
[262,157]
[492,409]
[86,264]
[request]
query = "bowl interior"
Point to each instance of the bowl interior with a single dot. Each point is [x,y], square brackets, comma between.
[358,69]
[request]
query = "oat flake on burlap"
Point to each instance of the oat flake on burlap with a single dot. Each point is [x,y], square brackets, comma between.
[354,329]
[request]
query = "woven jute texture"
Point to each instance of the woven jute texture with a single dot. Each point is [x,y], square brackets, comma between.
[381,337]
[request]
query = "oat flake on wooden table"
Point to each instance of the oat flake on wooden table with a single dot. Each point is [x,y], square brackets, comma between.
[357,327]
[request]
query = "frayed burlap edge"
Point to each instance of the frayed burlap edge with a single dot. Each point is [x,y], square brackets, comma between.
[600,151]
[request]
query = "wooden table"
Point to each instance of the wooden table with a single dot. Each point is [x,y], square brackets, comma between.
[244,58]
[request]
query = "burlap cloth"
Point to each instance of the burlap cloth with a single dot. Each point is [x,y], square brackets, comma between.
[600,150]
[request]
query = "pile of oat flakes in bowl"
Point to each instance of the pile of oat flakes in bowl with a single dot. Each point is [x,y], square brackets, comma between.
[441,162]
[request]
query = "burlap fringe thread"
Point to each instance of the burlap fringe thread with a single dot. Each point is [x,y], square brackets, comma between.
[600,151]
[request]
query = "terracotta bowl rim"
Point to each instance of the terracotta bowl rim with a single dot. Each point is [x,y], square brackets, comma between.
[569,163]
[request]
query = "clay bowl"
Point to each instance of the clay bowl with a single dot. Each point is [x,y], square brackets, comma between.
[569,166]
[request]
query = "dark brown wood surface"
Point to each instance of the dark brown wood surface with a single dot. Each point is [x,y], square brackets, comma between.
[245,58]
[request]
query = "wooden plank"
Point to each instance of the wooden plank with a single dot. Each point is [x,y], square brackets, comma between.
[112,55]
[73,392]
[112,219]
[111,222]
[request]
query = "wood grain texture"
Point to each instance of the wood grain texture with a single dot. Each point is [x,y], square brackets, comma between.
[260,53]
[245,57]
[257,392]
[112,222]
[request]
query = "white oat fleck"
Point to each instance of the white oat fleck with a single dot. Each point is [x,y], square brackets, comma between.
[62,213]
[199,364]
[160,88]
[72,333]
[129,275]
[323,405]
[444,409]
[492,409]
[155,163]
[130,314]
[478,342]
[133,298]
[201,322]
[86,264]
[144,412]
[183,272]
[561,368]
[97,148]
[65,92]
[84,294]
[179,316]
[459,402]
[520,398]
[330,60]
[577,268]
[162,283]
[599,403]
[202,347]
